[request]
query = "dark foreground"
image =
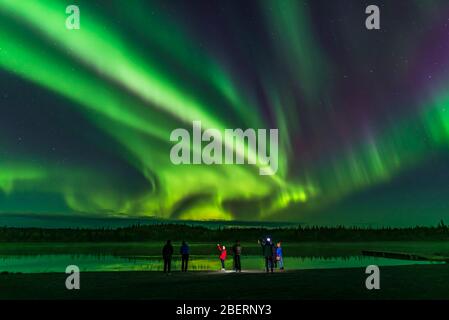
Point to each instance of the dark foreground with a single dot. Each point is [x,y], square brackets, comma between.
[406,282]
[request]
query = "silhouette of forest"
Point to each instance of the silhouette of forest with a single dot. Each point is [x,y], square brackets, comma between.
[162,232]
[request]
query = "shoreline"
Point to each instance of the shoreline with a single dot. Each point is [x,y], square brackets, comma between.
[397,282]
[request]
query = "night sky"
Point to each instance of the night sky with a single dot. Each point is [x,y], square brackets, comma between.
[363,116]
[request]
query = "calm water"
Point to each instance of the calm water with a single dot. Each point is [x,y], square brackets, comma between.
[58,263]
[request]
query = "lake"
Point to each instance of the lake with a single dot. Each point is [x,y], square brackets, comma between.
[55,257]
[86,262]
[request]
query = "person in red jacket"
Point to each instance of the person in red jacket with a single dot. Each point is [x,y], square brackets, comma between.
[223,255]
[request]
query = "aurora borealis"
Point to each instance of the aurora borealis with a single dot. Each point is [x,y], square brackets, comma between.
[363,116]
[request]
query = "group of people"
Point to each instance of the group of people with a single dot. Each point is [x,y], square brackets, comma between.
[167,253]
[272,254]
[236,253]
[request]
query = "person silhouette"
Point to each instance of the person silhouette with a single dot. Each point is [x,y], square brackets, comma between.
[237,251]
[167,253]
[267,251]
[185,251]
[280,255]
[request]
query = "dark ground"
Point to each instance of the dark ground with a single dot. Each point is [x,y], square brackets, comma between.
[405,282]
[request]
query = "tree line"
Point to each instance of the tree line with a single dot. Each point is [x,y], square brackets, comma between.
[178,232]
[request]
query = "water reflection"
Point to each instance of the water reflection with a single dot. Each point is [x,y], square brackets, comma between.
[98,262]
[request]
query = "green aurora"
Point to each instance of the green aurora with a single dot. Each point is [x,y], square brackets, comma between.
[135,72]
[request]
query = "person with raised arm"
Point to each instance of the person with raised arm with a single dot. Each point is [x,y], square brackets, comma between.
[223,255]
